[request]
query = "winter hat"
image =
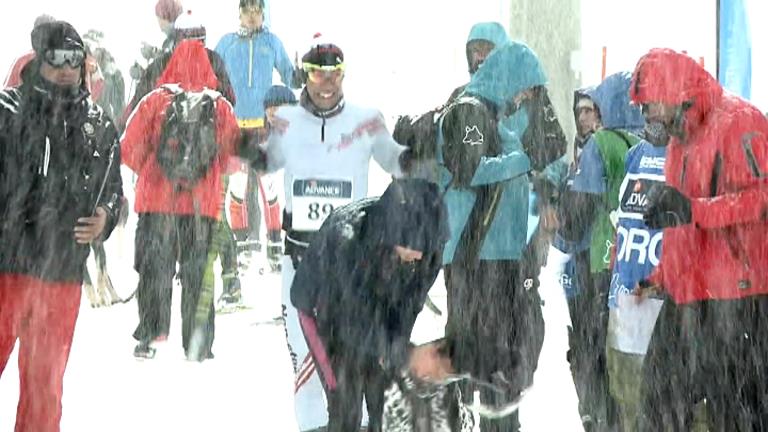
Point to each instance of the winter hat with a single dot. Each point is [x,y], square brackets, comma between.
[252,3]
[168,10]
[323,53]
[188,27]
[279,95]
[410,213]
[43,19]
[55,35]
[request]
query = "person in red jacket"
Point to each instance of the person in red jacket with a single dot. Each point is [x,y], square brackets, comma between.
[175,219]
[710,342]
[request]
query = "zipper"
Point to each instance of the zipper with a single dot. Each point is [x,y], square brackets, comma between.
[47,157]
[250,62]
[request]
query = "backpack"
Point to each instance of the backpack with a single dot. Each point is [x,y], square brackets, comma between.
[188,145]
[469,133]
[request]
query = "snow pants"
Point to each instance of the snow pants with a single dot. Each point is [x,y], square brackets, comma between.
[310,403]
[496,326]
[587,347]
[161,241]
[713,350]
[42,316]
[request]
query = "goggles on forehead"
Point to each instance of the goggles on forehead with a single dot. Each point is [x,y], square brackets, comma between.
[317,73]
[59,57]
[251,10]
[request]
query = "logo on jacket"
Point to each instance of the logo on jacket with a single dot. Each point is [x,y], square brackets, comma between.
[88,129]
[473,136]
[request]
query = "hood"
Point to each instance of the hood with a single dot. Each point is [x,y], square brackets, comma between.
[666,76]
[509,70]
[410,213]
[612,99]
[488,31]
[492,32]
[189,67]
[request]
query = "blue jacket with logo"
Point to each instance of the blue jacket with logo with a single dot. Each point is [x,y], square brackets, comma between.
[250,60]
[509,70]
[638,248]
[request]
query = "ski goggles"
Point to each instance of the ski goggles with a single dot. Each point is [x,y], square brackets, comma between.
[318,73]
[59,57]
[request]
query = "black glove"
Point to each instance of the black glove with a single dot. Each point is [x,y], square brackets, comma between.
[667,207]
[406,161]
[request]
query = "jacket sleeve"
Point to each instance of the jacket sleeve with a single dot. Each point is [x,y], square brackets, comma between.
[141,129]
[386,151]
[399,332]
[220,70]
[111,197]
[283,63]
[228,133]
[513,162]
[750,203]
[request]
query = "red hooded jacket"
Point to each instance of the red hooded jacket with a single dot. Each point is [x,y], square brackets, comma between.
[189,68]
[722,167]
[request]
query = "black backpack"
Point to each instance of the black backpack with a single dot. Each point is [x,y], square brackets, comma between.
[469,133]
[188,144]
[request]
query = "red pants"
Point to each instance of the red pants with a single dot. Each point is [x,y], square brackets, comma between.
[42,316]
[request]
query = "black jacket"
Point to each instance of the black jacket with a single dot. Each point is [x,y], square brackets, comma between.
[364,299]
[54,160]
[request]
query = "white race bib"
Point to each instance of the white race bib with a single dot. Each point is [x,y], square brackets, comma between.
[315,199]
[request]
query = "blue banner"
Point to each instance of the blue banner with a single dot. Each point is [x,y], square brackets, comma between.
[735,50]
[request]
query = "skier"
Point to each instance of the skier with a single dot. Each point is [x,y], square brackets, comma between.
[13,79]
[358,290]
[178,198]
[324,145]
[251,55]
[60,191]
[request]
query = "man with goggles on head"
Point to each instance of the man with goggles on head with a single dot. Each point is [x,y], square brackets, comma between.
[250,55]
[324,145]
[60,190]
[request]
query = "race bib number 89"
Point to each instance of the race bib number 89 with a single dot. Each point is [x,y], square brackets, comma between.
[315,199]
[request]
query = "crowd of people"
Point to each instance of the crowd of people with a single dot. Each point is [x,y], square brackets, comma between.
[660,338]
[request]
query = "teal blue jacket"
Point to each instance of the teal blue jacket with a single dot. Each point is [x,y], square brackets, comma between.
[509,70]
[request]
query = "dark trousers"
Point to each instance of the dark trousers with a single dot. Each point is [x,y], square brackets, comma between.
[161,242]
[252,205]
[587,343]
[715,350]
[495,324]
[356,378]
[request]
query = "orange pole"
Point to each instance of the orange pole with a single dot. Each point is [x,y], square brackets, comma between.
[605,61]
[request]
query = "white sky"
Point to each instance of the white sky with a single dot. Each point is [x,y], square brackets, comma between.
[407,55]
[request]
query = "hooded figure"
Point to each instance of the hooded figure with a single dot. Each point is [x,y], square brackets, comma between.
[60,189]
[170,215]
[358,293]
[587,208]
[483,38]
[485,173]
[713,270]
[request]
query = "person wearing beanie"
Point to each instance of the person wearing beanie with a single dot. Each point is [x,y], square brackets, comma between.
[251,54]
[13,78]
[60,191]
[324,146]
[359,288]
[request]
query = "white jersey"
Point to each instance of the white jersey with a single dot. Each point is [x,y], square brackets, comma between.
[327,166]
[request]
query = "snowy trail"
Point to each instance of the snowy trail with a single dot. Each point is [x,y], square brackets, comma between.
[248,386]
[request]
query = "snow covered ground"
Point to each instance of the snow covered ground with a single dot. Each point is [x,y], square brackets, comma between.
[248,386]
